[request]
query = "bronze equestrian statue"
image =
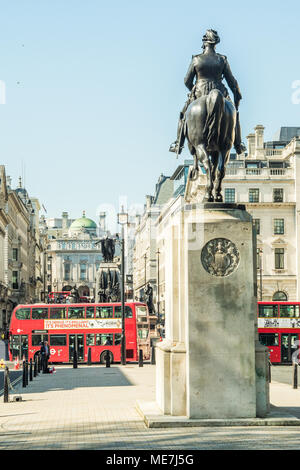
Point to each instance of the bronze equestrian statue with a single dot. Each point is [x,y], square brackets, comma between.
[209,119]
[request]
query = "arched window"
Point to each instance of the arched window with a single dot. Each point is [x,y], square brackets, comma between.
[280,296]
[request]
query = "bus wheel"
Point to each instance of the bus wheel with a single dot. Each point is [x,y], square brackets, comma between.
[103,357]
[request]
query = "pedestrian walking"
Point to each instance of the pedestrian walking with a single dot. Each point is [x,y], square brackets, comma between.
[45,354]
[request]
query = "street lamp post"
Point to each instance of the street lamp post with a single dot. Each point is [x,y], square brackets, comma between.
[158,253]
[123,220]
[260,251]
[45,275]
[50,264]
[145,269]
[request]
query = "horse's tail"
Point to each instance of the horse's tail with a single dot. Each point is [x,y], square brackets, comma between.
[215,105]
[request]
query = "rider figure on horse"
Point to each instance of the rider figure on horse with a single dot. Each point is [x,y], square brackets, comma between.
[209,68]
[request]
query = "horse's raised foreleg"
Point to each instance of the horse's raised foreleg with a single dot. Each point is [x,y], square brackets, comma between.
[223,157]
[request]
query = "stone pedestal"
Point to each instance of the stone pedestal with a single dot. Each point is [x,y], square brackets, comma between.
[206,365]
[111,273]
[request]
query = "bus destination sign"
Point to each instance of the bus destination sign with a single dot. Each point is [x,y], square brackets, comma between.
[93,324]
[278,322]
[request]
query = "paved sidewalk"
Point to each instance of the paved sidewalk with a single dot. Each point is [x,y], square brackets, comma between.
[95,408]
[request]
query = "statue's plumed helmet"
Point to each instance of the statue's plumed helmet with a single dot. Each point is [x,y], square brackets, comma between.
[211,36]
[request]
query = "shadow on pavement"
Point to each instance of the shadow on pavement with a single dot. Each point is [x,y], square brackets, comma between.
[286,411]
[67,378]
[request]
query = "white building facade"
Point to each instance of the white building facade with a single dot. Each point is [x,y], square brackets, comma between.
[73,254]
[21,250]
[267,181]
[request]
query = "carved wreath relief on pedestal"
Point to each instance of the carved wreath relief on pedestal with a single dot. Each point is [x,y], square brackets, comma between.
[220,257]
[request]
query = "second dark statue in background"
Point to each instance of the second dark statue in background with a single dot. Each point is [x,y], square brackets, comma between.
[108,249]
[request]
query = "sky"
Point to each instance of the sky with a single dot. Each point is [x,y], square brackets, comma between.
[91,90]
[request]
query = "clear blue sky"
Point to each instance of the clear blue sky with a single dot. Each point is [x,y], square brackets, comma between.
[94,88]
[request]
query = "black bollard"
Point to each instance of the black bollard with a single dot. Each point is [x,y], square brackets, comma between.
[75,359]
[6,391]
[89,356]
[141,358]
[35,367]
[270,371]
[107,359]
[295,381]
[30,371]
[153,356]
[24,374]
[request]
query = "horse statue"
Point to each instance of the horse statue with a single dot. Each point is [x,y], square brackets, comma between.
[209,119]
[210,132]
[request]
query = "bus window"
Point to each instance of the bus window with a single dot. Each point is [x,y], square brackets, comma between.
[142,319]
[57,313]
[15,346]
[76,312]
[58,340]
[104,339]
[117,339]
[128,312]
[39,313]
[269,339]
[24,346]
[268,311]
[19,346]
[118,312]
[90,312]
[36,340]
[289,311]
[23,314]
[90,340]
[104,312]
[143,333]
[141,311]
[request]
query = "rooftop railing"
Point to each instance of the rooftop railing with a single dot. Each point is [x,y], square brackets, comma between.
[273,152]
[263,173]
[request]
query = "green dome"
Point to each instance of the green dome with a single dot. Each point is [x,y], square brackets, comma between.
[83,222]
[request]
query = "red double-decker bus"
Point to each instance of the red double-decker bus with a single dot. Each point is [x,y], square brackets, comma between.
[84,326]
[279,330]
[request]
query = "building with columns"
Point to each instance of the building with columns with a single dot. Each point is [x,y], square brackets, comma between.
[267,179]
[28,254]
[21,250]
[73,253]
